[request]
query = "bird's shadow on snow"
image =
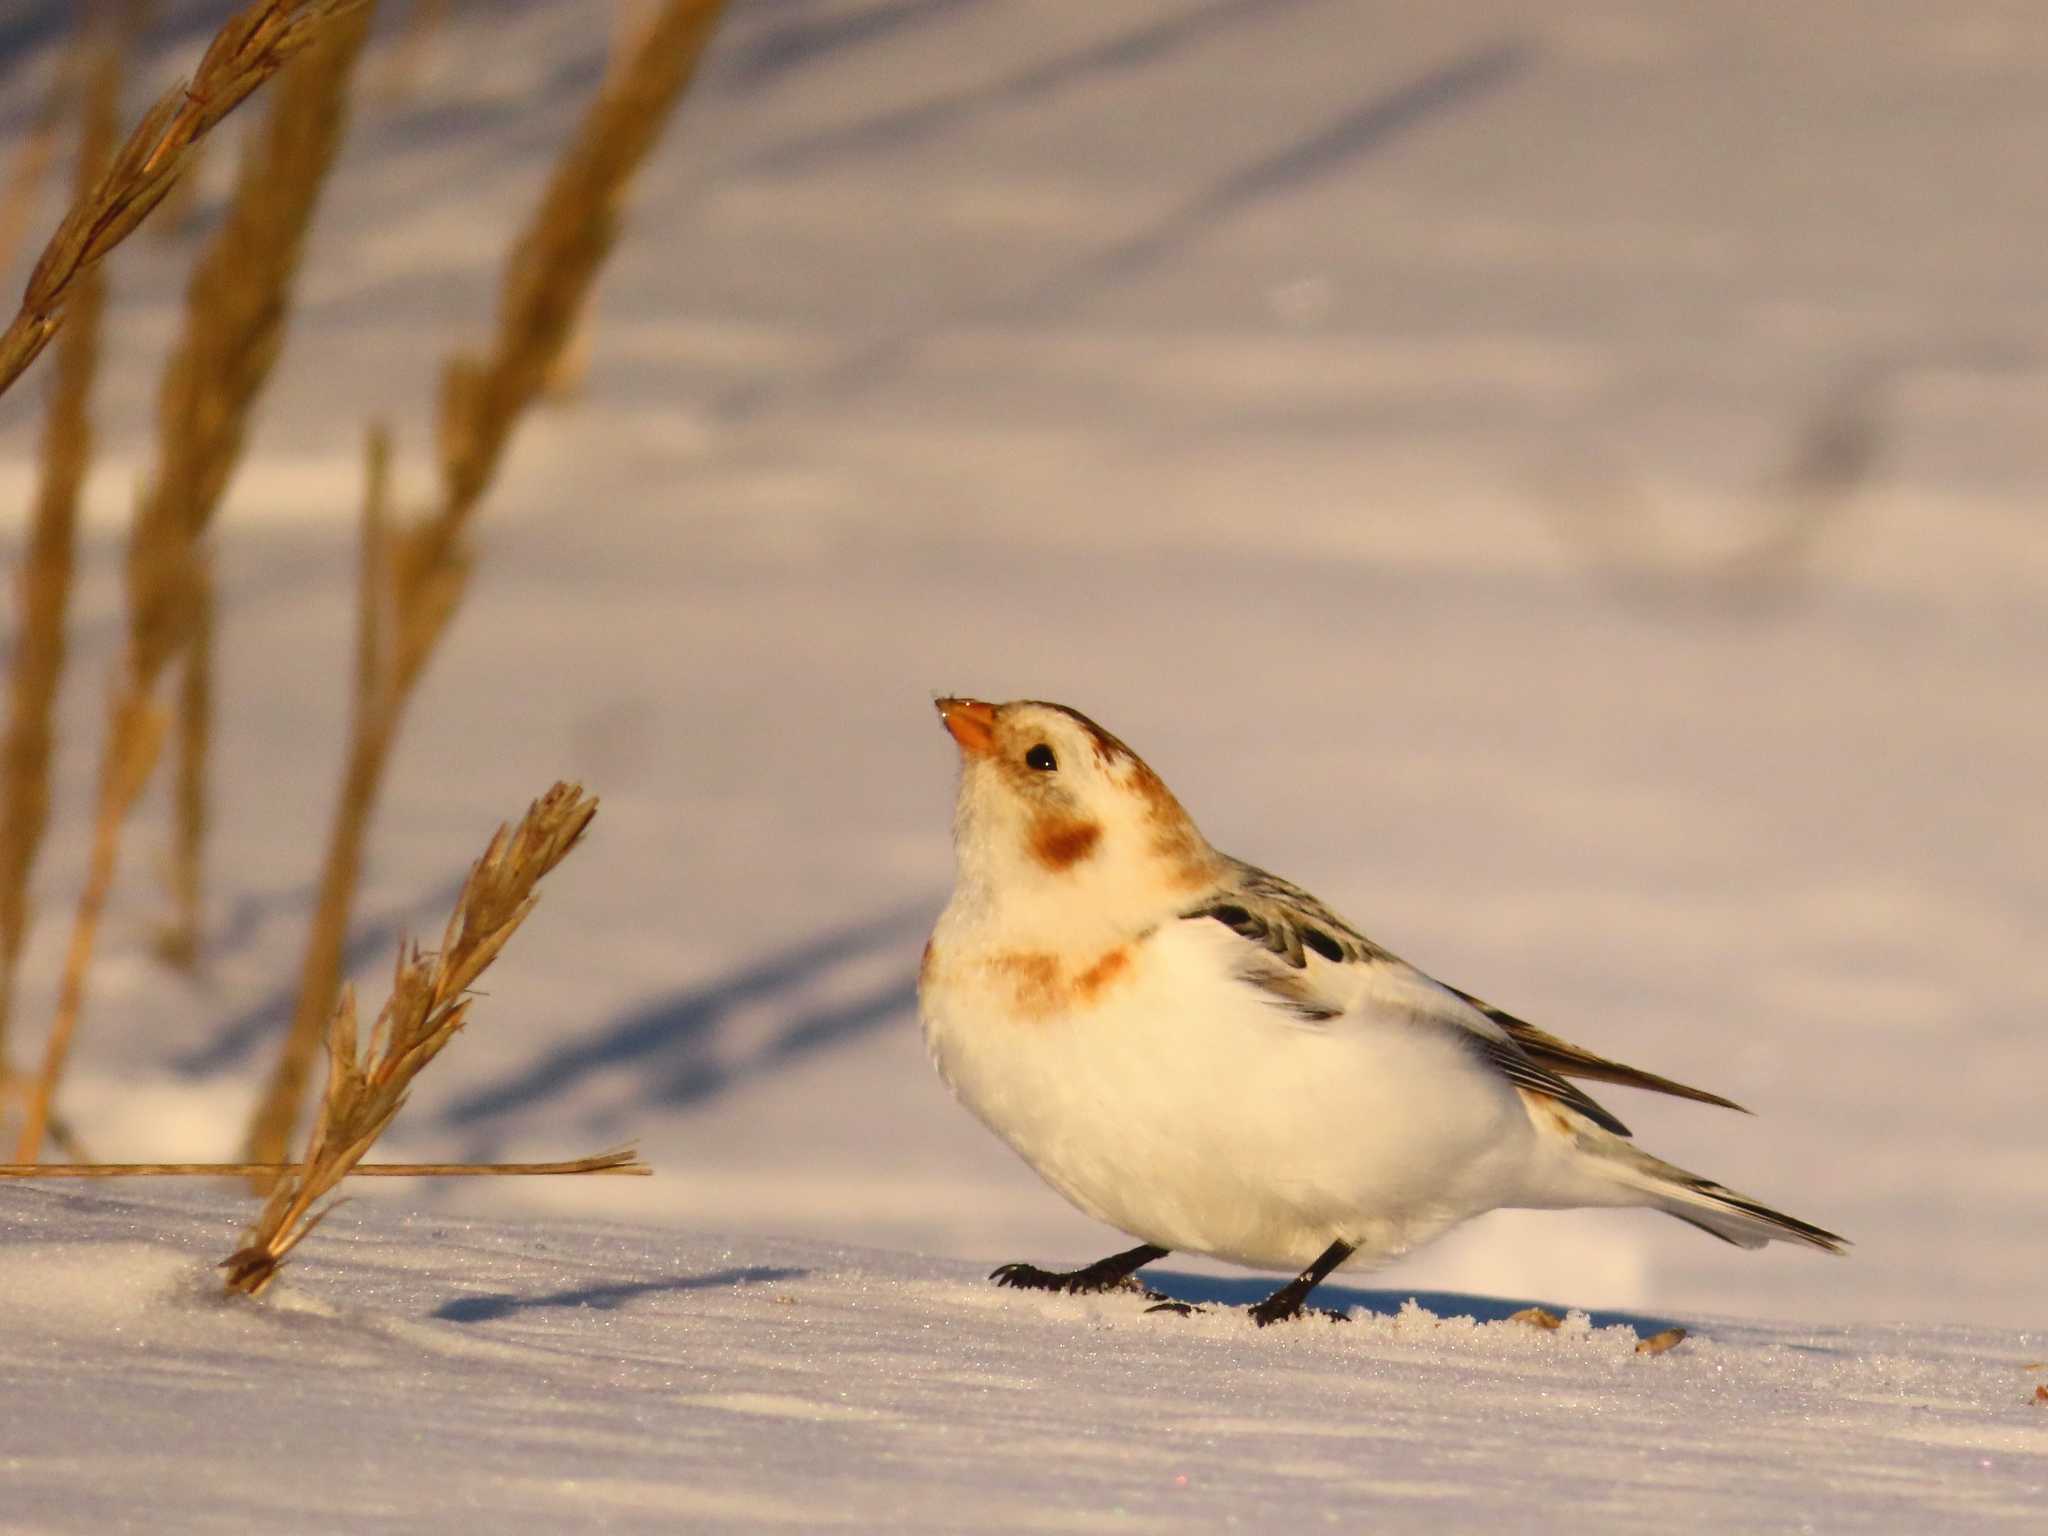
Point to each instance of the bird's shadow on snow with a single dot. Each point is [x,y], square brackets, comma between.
[1226,1291]
[608,1297]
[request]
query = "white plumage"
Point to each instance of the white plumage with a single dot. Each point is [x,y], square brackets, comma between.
[1201,1055]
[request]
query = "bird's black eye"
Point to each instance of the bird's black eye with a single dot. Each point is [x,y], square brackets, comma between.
[1041,758]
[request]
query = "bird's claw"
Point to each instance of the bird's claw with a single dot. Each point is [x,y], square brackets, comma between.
[1079,1282]
[1279,1309]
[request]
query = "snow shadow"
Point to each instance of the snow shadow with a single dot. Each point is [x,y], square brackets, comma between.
[606,1298]
[1329,151]
[1230,1291]
[38,27]
[268,1019]
[677,1043]
[1142,47]
[787,46]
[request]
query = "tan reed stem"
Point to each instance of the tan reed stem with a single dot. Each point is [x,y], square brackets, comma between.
[135,732]
[247,50]
[181,203]
[429,1002]
[556,260]
[178,942]
[251,45]
[47,564]
[374,719]
[570,366]
[625,1162]
[426,567]
[235,315]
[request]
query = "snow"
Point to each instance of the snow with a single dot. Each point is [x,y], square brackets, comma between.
[524,1377]
[1365,411]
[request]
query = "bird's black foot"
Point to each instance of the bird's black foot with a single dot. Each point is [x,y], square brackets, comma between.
[1073,1282]
[1177,1308]
[1118,1272]
[1274,1310]
[1280,1307]
[1286,1303]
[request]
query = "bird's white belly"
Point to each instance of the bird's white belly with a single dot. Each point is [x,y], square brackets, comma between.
[1202,1119]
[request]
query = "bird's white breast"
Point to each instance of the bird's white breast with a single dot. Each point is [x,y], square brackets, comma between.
[1161,1094]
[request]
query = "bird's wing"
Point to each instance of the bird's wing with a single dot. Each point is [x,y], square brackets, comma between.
[1568,1060]
[1311,963]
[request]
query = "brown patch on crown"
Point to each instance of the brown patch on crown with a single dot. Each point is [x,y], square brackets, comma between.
[1060,842]
[1038,985]
[1107,747]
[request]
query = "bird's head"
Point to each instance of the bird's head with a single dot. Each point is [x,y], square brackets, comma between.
[1057,816]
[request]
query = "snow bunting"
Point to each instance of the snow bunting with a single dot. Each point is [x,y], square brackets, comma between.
[1206,1057]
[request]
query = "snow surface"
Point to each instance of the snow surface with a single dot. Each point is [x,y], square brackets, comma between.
[1375,414]
[570,1376]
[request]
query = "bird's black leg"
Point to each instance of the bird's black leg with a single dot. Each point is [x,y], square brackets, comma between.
[1110,1274]
[1286,1302]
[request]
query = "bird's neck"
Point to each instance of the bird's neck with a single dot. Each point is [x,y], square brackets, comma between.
[1066,914]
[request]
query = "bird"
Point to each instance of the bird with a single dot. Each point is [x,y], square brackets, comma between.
[1205,1057]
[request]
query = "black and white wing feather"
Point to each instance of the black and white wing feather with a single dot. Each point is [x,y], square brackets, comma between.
[1285,920]
[1294,937]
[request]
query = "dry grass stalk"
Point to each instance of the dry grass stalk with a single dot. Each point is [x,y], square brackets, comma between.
[47,564]
[429,1002]
[424,569]
[135,732]
[379,695]
[625,1161]
[180,207]
[557,258]
[178,942]
[250,47]
[203,406]
[571,364]
[235,312]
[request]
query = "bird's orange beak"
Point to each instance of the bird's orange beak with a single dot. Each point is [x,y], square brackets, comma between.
[972,723]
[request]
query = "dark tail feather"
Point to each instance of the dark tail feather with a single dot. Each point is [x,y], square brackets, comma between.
[1740,1220]
[1732,1217]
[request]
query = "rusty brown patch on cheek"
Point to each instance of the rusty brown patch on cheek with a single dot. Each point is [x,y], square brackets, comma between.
[1060,842]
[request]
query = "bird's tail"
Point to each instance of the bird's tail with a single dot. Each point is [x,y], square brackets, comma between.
[1702,1203]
